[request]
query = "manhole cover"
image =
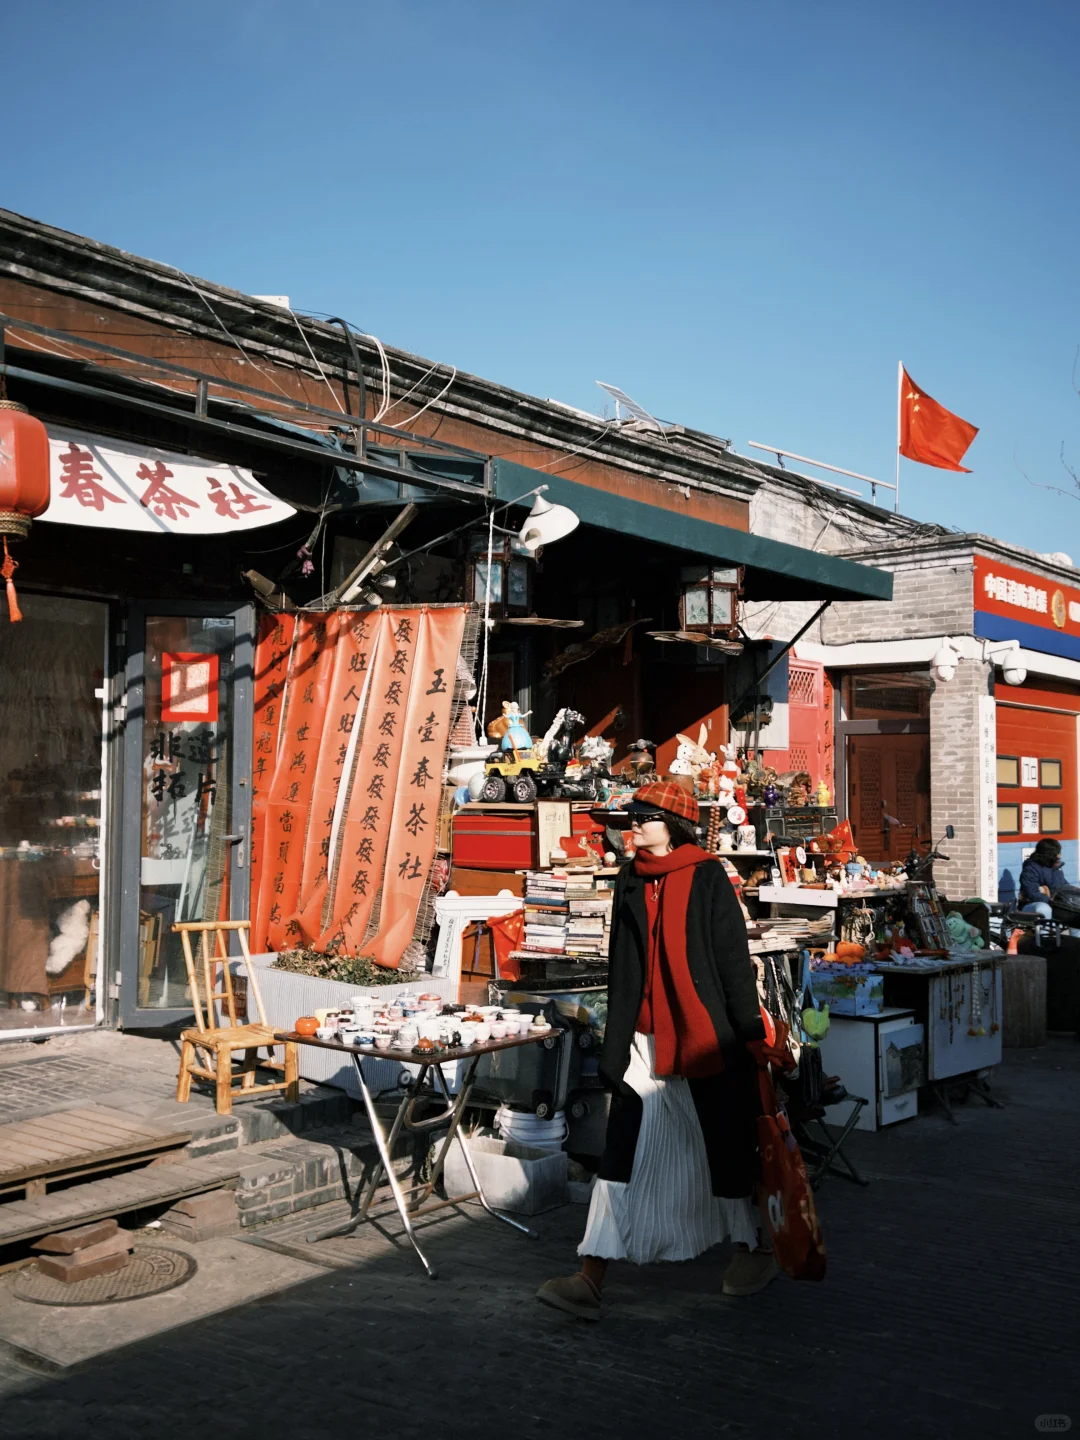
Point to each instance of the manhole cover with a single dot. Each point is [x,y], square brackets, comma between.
[150,1272]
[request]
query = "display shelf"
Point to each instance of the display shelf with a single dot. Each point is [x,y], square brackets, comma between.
[798,895]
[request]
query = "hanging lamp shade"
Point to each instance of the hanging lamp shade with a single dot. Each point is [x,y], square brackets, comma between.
[24,484]
[546,523]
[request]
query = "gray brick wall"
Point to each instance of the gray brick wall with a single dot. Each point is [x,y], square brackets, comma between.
[954,778]
[931,601]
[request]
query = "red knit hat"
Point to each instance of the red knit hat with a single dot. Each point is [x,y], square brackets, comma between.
[665,795]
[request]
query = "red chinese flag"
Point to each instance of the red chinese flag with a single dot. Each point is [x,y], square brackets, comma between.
[928,432]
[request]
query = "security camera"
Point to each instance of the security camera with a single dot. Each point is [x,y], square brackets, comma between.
[943,666]
[1006,655]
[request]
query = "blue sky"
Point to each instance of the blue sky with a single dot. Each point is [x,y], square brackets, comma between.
[742,214]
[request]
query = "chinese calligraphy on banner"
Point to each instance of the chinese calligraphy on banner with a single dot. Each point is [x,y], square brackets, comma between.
[352,750]
[113,484]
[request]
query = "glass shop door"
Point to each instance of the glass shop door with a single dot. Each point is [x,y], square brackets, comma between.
[187,793]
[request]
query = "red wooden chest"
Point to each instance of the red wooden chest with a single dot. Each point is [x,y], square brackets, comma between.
[495,839]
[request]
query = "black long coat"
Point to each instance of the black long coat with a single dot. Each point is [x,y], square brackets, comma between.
[723,975]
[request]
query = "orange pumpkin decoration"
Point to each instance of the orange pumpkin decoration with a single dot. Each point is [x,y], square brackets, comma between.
[849,951]
[306,1025]
[24,484]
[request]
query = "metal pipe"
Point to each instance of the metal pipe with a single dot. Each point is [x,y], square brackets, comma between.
[820,464]
[325,456]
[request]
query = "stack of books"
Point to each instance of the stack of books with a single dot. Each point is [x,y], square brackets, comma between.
[588,928]
[545,913]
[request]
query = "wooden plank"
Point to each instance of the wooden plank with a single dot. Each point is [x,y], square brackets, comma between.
[71,1163]
[22,1147]
[101,1199]
[65,1123]
[109,1122]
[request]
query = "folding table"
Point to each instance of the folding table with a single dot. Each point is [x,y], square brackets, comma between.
[413,1201]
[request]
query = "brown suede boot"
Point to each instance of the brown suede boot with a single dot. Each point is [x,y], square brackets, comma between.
[572,1294]
[749,1272]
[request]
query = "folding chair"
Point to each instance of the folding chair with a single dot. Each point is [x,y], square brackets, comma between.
[824,1147]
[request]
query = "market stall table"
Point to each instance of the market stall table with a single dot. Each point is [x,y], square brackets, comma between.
[410,1209]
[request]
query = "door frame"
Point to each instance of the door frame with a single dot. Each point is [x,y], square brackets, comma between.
[130,1016]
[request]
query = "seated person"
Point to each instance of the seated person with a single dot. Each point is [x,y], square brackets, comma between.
[1040,877]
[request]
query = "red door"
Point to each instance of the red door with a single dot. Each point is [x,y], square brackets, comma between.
[888,793]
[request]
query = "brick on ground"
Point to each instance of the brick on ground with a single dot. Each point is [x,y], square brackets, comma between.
[66,1242]
[100,1259]
[202,1217]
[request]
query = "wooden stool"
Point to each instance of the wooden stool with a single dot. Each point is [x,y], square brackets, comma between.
[220,1036]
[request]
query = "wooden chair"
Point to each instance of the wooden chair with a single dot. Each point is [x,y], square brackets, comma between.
[219,1034]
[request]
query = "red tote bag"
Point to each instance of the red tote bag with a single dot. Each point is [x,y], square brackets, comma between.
[787,1204]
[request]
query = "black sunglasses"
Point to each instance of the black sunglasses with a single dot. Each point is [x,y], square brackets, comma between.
[636,818]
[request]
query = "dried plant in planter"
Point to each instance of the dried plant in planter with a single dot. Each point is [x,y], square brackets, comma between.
[349,969]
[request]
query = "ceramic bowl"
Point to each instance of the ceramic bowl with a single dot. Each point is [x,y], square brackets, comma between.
[483,1033]
[467,1033]
[347,1037]
[498,1029]
[364,1037]
[384,1040]
[326,1032]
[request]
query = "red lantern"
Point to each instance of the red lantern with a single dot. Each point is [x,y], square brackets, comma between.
[24,483]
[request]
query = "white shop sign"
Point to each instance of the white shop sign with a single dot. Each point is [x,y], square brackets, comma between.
[113,485]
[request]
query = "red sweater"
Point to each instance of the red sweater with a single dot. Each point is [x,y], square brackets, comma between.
[671,1009]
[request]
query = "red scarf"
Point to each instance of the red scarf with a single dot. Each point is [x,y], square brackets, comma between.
[671,1009]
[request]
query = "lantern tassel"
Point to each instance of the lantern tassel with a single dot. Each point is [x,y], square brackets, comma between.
[7,570]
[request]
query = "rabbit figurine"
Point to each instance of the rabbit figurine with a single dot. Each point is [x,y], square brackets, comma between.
[691,758]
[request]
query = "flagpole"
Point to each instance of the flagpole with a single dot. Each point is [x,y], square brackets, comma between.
[899,403]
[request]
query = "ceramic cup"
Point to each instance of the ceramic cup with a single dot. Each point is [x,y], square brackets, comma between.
[483,1033]
[498,1029]
[467,1033]
[384,1040]
[326,1032]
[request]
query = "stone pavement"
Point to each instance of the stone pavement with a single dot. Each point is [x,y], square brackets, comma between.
[950,1310]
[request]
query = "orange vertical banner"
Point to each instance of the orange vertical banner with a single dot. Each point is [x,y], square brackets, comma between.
[413,824]
[271,667]
[362,845]
[289,803]
[350,687]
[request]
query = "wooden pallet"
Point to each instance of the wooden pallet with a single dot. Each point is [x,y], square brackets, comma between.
[72,1144]
[23,1220]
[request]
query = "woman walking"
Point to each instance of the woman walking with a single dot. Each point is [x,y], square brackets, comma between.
[684,1036]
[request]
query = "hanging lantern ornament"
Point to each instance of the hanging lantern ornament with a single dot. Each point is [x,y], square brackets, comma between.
[24,484]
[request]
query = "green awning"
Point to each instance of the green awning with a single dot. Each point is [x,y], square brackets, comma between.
[774,571]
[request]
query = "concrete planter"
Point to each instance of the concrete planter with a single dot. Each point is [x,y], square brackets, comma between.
[288,996]
[514,1177]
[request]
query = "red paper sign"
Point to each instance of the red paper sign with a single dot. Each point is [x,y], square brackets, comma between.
[189,687]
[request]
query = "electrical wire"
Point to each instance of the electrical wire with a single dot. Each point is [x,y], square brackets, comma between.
[314,357]
[414,386]
[581,449]
[232,338]
[482,694]
[433,401]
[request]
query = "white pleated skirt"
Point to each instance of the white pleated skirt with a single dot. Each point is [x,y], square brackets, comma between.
[667,1210]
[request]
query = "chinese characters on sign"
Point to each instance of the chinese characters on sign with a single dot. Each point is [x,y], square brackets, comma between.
[352,777]
[110,483]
